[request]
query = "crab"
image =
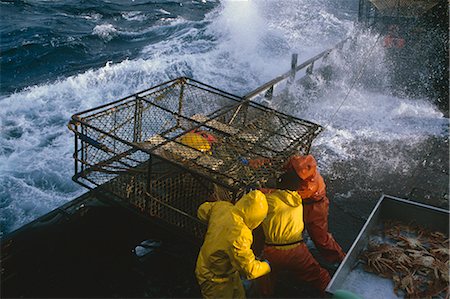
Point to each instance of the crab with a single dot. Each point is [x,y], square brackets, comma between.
[441,252]
[377,261]
[403,261]
[408,284]
[421,258]
[392,229]
[410,242]
[441,270]
[399,259]
[438,237]
[416,258]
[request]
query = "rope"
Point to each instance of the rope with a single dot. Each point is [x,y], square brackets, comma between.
[354,81]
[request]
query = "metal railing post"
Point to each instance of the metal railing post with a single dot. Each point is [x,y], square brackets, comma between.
[269,94]
[310,68]
[76,152]
[293,70]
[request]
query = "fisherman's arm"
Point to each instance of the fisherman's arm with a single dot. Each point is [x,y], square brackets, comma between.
[244,259]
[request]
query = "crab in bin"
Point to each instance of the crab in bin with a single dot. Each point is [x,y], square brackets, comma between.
[415,258]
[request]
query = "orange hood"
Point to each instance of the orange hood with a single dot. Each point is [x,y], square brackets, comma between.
[305,166]
[313,185]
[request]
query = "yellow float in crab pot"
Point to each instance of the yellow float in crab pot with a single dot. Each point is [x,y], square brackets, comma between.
[196,141]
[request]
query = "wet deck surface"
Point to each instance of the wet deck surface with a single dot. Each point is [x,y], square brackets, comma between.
[93,254]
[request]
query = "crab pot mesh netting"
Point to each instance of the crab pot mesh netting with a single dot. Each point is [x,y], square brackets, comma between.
[168,149]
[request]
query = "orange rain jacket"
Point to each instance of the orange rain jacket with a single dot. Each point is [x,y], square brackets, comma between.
[315,207]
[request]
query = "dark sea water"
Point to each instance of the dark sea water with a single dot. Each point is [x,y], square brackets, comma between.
[46,40]
[62,57]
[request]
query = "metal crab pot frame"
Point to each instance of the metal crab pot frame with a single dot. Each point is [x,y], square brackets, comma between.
[134,148]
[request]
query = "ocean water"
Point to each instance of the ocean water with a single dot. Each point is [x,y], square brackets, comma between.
[62,57]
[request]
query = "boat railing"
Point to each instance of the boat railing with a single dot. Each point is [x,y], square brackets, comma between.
[266,92]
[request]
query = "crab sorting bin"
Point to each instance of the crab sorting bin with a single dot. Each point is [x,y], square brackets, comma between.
[349,276]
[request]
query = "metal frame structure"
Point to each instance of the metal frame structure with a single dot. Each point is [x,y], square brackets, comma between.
[381,13]
[136,148]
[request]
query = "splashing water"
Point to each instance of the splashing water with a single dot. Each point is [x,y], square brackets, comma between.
[236,46]
[370,134]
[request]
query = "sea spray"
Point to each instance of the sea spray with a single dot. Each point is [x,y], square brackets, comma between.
[215,47]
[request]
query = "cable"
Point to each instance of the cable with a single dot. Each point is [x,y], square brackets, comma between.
[354,81]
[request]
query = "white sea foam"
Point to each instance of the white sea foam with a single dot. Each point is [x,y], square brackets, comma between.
[134,16]
[35,157]
[362,119]
[164,11]
[105,31]
[91,16]
[170,21]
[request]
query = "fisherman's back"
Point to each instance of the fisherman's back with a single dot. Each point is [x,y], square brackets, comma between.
[284,221]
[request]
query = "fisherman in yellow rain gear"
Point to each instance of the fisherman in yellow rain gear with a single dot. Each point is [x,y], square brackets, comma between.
[284,245]
[226,253]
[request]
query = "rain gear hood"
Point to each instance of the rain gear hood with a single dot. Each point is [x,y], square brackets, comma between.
[312,185]
[252,207]
[305,166]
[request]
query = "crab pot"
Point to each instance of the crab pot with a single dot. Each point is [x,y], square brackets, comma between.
[166,150]
[351,277]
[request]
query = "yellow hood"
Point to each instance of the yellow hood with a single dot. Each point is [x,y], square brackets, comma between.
[252,207]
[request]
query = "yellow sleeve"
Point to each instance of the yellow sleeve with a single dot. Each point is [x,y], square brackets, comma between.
[204,211]
[243,258]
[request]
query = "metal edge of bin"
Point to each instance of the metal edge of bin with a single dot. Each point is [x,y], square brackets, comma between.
[349,258]
[360,242]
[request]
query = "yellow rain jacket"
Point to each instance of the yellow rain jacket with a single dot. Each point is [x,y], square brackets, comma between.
[284,222]
[226,251]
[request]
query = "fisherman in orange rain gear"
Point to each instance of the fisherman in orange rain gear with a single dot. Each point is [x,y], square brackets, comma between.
[315,207]
[284,247]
